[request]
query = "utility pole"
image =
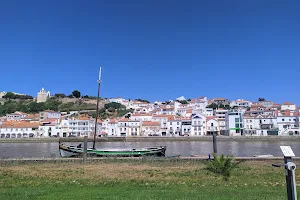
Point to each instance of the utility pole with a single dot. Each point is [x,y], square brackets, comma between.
[97,109]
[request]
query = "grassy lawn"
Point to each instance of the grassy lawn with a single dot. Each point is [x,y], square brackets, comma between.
[139,180]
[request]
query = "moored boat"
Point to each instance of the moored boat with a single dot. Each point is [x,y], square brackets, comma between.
[75,151]
[71,151]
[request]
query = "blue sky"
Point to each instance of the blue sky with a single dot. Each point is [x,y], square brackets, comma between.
[156,50]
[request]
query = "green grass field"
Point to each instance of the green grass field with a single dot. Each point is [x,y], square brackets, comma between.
[170,179]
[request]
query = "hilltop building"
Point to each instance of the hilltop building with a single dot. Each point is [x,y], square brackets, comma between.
[42,96]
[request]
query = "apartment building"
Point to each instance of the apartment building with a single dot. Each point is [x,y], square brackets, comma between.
[19,129]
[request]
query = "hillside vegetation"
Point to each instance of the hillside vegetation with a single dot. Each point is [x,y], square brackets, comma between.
[54,103]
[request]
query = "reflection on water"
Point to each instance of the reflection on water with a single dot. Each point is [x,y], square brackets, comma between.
[203,148]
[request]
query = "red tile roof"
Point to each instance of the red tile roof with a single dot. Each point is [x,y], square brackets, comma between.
[288,103]
[149,123]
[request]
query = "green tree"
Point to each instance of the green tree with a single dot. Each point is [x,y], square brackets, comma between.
[60,95]
[142,100]
[52,104]
[35,107]
[9,95]
[76,94]
[86,96]
[213,105]
[114,105]
[183,101]
[261,99]
[221,106]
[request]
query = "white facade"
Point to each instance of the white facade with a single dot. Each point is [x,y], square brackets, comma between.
[288,106]
[209,112]
[174,127]
[112,128]
[16,116]
[129,128]
[259,125]
[234,123]
[198,125]
[80,128]
[19,130]
[186,127]
[141,117]
[221,113]
[212,125]
[241,103]
[42,96]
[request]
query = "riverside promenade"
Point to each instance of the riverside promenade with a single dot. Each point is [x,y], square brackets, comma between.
[152,139]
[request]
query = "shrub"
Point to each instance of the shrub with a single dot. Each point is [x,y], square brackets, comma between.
[222,165]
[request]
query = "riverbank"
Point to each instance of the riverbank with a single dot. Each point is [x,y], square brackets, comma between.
[140,179]
[153,139]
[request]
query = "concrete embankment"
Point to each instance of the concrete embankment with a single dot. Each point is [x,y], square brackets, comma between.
[152,139]
[118,159]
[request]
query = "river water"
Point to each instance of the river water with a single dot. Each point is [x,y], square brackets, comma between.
[183,148]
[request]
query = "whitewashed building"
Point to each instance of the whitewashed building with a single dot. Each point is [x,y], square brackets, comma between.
[174,127]
[186,126]
[241,103]
[16,116]
[198,125]
[212,125]
[288,106]
[150,128]
[19,129]
[141,117]
[234,123]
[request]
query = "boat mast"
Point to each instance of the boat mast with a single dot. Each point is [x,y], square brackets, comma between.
[97,109]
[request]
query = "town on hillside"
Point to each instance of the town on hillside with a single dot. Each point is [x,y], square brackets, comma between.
[119,117]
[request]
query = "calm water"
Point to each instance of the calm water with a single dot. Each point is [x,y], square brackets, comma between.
[235,148]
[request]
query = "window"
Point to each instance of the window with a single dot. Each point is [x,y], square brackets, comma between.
[199,122]
[283,120]
[212,124]
[290,120]
[237,125]
[237,119]
[195,128]
[124,129]
[250,126]
[177,123]
[125,125]
[170,123]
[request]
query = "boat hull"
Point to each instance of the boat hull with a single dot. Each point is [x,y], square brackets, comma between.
[72,151]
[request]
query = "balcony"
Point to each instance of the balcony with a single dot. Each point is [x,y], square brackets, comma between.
[266,126]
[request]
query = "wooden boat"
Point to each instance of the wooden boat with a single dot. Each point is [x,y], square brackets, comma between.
[76,151]
[71,151]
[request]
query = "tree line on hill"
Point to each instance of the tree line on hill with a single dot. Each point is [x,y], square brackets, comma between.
[52,103]
[11,95]
[112,110]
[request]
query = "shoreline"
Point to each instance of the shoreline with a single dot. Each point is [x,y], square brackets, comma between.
[131,159]
[152,139]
